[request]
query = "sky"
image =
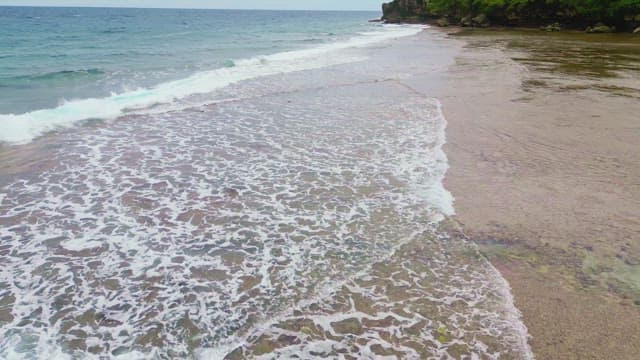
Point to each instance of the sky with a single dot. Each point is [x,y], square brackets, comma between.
[213,4]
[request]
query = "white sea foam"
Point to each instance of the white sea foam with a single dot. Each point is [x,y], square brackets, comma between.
[128,217]
[22,128]
[229,218]
[521,334]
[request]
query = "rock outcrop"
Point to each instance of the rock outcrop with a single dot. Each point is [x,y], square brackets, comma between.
[552,28]
[405,11]
[560,14]
[600,28]
[477,21]
[481,21]
[466,21]
[442,22]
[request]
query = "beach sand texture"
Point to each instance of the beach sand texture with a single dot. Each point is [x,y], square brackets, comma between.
[543,143]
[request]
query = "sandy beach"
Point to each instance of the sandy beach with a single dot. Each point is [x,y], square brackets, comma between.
[295,214]
[301,204]
[543,147]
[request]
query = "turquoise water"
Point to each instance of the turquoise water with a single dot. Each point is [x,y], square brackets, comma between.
[249,185]
[52,55]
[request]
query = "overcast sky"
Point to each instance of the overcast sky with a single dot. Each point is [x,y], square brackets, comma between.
[214,4]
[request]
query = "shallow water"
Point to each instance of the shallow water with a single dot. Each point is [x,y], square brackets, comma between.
[294,215]
[571,61]
[49,56]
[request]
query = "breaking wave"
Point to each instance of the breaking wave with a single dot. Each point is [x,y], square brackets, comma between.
[22,128]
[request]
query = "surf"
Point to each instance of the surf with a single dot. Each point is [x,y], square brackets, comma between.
[174,95]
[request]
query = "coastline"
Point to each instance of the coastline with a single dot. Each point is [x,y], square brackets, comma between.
[541,28]
[545,189]
[359,143]
[596,18]
[542,167]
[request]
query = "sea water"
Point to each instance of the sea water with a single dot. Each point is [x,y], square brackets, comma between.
[63,65]
[221,184]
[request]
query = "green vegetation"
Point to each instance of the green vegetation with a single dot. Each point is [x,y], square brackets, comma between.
[594,10]
[624,14]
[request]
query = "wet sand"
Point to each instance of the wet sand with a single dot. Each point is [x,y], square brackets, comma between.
[301,219]
[543,144]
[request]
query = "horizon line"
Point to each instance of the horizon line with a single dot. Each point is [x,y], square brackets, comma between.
[176,8]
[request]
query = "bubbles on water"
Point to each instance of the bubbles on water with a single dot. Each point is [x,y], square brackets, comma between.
[182,235]
[433,298]
[300,219]
[23,128]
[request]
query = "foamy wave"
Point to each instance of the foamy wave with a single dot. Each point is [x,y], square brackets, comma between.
[23,128]
[318,195]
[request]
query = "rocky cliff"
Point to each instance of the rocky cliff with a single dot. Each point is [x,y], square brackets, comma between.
[597,16]
[405,11]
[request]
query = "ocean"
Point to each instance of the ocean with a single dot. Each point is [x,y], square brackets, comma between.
[232,184]
[69,64]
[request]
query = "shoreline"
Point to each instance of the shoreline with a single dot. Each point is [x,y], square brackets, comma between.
[433,22]
[596,18]
[542,27]
[330,139]
[545,188]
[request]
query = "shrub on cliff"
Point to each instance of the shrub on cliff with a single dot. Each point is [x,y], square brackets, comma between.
[521,12]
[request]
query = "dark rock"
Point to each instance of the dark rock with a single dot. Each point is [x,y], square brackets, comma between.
[481,21]
[600,28]
[513,18]
[442,22]
[533,13]
[404,10]
[466,21]
[478,21]
[552,28]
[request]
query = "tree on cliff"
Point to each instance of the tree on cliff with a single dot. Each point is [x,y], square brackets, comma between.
[625,13]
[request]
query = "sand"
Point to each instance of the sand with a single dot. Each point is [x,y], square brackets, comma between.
[544,149]
[543,146]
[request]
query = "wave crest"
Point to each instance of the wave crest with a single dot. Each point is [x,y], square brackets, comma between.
[23,128]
